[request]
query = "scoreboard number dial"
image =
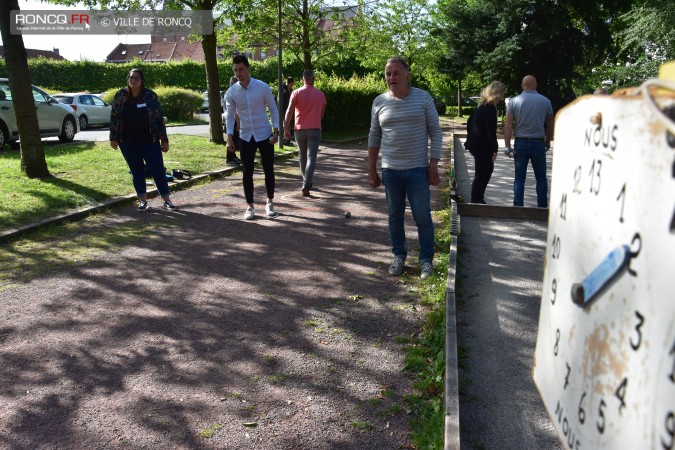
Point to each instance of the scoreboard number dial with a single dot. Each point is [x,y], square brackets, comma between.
[605,355]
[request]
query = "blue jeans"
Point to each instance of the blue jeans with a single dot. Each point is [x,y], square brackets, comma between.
[151,153]
[535,151]
[307,139]
[413,183]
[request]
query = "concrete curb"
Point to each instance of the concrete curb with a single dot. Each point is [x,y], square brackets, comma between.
[81,213]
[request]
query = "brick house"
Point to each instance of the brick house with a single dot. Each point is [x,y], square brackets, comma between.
[33,53]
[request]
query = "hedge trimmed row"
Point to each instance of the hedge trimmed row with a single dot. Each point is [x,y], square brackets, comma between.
[349,100]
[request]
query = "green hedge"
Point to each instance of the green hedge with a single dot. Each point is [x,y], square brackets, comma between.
[349,100]
[177,103]
[90,76]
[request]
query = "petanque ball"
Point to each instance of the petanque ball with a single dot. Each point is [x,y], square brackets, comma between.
[348,214]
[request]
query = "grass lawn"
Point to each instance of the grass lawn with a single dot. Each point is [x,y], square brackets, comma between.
[85,173]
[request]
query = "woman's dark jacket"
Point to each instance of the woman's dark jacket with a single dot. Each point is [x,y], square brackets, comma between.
[155,114]
[482,131]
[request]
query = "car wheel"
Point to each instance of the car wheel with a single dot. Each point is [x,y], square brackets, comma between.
[4,135]
[67,130]
[83,122]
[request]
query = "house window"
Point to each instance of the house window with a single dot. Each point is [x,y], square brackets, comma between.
[124,52]
[263,55]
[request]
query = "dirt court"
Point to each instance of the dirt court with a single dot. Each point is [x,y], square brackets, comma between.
[196,329]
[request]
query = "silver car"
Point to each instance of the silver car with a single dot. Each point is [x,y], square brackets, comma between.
[90,109]
[54,118]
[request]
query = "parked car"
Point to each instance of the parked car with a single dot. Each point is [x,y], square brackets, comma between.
[205,103]
[54,118]
[470,101]
[91,110]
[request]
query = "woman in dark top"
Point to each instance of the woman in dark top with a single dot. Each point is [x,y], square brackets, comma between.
[482,138]
[137,127]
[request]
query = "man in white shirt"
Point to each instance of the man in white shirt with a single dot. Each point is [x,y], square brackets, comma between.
[249,99]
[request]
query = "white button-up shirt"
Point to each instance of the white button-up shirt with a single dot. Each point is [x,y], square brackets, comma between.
[249,103]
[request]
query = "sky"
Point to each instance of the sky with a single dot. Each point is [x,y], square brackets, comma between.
[74,48]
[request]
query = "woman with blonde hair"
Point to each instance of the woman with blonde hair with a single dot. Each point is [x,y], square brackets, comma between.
[482,138]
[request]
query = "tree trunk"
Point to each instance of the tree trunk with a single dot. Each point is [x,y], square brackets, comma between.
[306,43]
[33,162]
[459,97]
[213,88]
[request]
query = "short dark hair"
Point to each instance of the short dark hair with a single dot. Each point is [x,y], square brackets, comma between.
[240,59]
[290,80]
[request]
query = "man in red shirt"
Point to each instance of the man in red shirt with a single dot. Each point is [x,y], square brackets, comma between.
[308,103]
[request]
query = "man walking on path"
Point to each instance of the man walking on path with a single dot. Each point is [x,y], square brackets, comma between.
[309,104]
[248,99]
[402,121]
[533,115]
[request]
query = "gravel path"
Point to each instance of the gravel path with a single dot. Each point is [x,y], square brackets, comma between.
[197,329]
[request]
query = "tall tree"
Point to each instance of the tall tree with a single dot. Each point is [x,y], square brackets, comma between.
[396,28]
[646,41]
[312,30]
[550,40]
[33,162]
[463,28]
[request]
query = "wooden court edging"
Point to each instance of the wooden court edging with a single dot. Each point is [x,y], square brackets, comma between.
[451,432]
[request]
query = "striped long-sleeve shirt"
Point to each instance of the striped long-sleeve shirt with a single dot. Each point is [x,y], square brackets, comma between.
[401,129]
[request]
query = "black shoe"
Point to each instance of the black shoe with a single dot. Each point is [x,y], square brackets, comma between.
[234,161]
[305,191]
[288,142]
[142,206]
[170,206]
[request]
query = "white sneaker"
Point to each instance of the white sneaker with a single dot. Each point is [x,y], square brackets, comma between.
[250,212]
[269,209]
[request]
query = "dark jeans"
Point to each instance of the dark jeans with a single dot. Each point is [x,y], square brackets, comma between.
[247,151]
[413,184]
[484,168]
[135,154]
[530,150]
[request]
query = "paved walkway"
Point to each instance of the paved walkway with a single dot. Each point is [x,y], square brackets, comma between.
[500,189]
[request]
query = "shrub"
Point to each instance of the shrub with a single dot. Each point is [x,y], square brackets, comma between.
[177,103]
[349,101]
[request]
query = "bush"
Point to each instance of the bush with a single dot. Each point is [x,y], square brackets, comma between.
[349,101]
[349,98]
[177,103]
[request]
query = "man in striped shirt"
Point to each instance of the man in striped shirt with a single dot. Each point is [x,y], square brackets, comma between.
[402,122]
